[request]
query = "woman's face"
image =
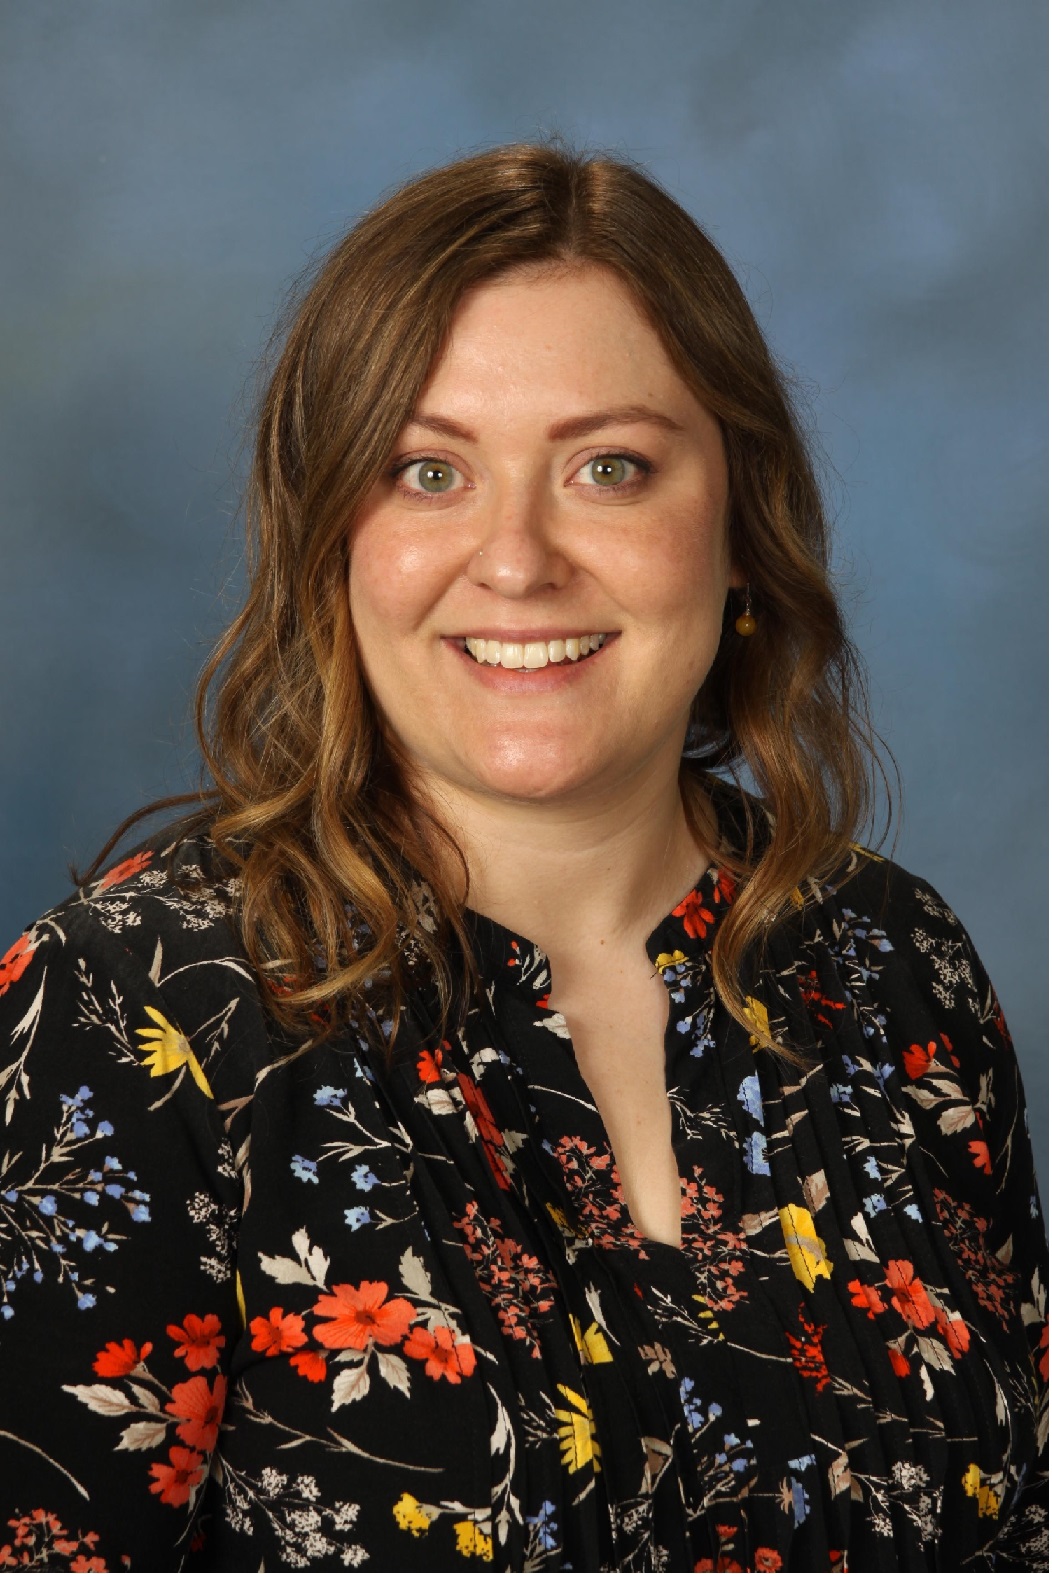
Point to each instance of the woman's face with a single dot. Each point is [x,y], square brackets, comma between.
[558,480]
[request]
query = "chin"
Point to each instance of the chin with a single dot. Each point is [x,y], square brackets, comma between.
[535,774]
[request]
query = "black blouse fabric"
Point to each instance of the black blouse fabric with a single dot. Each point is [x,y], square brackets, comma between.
[265,1309]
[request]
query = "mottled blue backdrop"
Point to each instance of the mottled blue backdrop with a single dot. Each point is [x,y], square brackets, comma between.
[876,172]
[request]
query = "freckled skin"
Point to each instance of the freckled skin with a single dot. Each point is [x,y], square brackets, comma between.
[649,564]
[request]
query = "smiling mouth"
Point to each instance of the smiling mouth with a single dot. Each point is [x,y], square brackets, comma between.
[533,654]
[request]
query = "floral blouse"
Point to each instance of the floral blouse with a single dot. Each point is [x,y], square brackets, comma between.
[268,1309]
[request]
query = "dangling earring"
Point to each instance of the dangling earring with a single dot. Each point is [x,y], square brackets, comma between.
[745,623]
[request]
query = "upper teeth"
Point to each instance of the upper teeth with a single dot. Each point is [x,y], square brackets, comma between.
[534,653]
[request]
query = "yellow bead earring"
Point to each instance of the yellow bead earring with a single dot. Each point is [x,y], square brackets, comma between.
[745,623]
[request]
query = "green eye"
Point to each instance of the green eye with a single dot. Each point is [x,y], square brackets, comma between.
[435,476]
[608,470]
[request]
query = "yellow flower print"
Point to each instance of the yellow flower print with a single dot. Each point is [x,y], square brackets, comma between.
[669,959]
[756,1012]
[410,1516]
[166,1050]
[988,1501]
[591,1343]
[576,1433]
[473,1542]
[807,1249]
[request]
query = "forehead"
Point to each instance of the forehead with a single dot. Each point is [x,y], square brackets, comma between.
[554,333]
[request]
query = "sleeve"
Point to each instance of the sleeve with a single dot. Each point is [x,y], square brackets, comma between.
[118,1290]
[992,1206]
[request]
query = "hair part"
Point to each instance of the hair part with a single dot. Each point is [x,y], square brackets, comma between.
[311,801]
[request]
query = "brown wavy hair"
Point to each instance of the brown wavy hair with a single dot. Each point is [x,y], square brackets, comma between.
[310,801]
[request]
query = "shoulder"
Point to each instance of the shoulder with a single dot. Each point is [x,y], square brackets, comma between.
[152,941]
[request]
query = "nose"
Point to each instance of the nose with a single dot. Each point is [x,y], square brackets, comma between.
[515,552]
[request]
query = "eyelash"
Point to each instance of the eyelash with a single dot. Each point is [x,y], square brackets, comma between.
[643,465]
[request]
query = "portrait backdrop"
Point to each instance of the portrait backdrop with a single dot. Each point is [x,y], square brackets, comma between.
[876,174]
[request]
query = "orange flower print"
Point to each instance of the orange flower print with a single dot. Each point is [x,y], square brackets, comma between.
[117,1360]
[444,1357]
[918,1059]
[899,1362]
[14,962]
[696,918]
[490,1133]
[124,871]
[867,1297]
[726,885]
[429,1066]
[956,1333]
[767,1559]
[909,1297]
[174,1482]
[309,1364]
[807,1354]
[83,1565]
[360,1315]
[981,1158]
[277,1334]
[198,1341]
[199,1409]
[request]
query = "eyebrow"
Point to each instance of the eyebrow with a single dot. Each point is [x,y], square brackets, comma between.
[560,431]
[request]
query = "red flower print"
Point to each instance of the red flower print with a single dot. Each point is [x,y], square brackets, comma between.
[981,1158]
[309,1364]
[14,962]
[807,1352]
[696,918]
[1042,1364]
[918,1059]
[358,1316]
[726,885]
[117,1360]
[909,1298]
[704,1566]
[899,1362]
[174,1482]
[277,1334]
[200,1410]
[956,1333]
[428,1065]
[767,1559]
[198,1341]
[444,1358]
[83,1565]
[490,1133]
[125,870]
[866,1296]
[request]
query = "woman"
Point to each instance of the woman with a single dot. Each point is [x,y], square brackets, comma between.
[482,1136]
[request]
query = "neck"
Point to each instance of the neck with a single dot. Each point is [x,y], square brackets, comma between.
[573,876]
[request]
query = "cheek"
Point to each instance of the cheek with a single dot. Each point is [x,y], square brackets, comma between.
[393,582]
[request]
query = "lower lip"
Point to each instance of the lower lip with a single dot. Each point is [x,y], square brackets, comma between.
[523,680]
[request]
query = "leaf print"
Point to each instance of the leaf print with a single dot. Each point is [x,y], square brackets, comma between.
[143,1434]
[807,1252]
[414,1275]
[166,1050]
[393,1370]
[100,1398]
[350,1385]
[576,1432]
